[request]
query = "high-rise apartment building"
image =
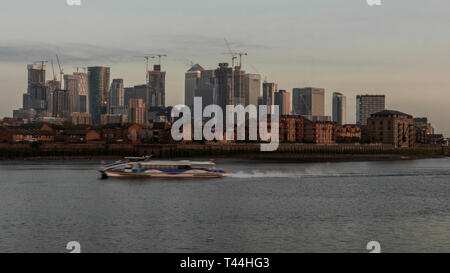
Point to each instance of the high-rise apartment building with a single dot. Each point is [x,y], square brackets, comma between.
[206,88]
[252,88]
[61,103]
[137,92]
[223,95]
[309,102]
[367,105]
[36,96]
[52,86]
[191,83]
[240,97]
[283,100]
[98,84]
[269,90]
[339,108]
[138,112]
[116,94]
[72,84]
[83,91]
[157,86]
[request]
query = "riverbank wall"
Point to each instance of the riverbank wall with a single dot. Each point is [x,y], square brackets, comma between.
[244,150]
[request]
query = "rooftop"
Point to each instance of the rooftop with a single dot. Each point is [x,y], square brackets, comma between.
[390,114]
[196,67]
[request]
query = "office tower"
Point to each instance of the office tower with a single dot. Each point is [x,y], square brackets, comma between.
[223,95]
[206,88]
[283,100]
[339,108]
[116,94]
[136,92]
[252,88]
[157,86]
[367,105]
[269,89]
[192,81]
[61,103]
[138,112]
[309,102]
[83,91]
[240,96]
[52,86]
[36,96]
[98,84]
[72,84]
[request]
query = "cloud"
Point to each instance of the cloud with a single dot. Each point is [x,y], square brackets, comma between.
[76,53]
[177,47]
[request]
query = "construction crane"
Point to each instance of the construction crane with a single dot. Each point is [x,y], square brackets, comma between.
[235,54]
[147,61]
[240,57]
[231,52]
[78,69]
[53,70]
[42,63]
[159,57]
[61,72]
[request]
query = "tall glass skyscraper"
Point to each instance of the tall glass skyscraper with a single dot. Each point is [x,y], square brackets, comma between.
[98,81]
[339,108]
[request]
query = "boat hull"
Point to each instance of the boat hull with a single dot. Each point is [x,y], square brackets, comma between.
[114,174]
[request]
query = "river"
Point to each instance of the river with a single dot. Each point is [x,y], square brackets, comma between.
[264,207]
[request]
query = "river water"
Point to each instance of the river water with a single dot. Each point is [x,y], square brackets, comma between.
[264,207]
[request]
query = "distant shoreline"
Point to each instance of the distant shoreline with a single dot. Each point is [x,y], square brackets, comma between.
[287,152]
[275,158]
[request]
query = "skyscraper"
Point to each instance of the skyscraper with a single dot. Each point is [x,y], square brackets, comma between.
[206,88]
[339,108]
[192,81]
[283,100]
[52,86]
[61,103]
[309,102]
[269,89]
[367,105]
[136,92]
[252,88]
[240,96]
[223,95]
[116,93]
[157,86]
[36,96]
[138,112]
[98,82]
[72,84]
[83,91]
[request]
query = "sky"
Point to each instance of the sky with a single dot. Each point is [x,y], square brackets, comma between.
[400,48]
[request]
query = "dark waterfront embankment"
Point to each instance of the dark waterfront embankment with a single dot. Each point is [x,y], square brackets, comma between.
[291,152]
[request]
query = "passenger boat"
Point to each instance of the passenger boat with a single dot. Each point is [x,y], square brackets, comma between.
[146,168]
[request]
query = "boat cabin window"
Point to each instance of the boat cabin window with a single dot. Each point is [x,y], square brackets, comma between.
[165,167]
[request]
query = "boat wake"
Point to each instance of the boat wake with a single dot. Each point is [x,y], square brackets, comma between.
[310,174]
[271,174]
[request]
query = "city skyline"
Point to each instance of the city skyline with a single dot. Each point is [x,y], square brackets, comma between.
[387,50]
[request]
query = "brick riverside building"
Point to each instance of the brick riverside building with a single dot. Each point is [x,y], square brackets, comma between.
[319,132]
[291,128]
[348,133]
[391,127]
